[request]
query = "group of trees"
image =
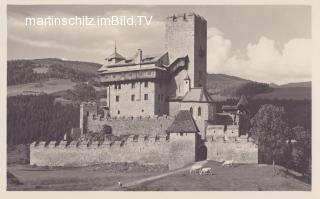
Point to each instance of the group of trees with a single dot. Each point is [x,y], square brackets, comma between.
[296,112]
[34,118]
[278,143]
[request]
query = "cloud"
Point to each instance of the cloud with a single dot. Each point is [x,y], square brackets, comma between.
[262,61]
[218,49]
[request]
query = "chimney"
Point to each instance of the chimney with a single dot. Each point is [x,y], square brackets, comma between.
[140,56]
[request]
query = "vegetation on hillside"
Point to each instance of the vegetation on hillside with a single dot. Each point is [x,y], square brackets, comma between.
[21,72]
[34,118]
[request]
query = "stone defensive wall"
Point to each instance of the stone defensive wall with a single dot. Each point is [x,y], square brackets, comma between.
[148,125]
[240,149]
[136,148]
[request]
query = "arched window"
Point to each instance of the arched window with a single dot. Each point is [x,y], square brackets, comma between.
[191,111]
[199,111]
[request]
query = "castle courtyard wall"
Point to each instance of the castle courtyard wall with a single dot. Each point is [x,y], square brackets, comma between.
[127,126]
[141,151]
[239,149]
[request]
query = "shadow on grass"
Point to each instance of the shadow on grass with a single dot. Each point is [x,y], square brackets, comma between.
[300,177]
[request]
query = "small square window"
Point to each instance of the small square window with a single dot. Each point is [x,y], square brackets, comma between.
[146,84]
[117,98]
[133,85]
[118,112]
[132,97]
[145,96]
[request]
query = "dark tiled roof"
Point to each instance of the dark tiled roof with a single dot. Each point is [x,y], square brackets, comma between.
[198,94]
[183,123]
[222,119]
[229,108]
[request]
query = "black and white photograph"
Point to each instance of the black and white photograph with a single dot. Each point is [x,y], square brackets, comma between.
[159,97]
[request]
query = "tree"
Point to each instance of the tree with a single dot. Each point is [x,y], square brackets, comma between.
[84,92]
[301,152]
[269,130]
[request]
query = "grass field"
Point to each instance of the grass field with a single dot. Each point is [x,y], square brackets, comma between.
[50,86]
[249,177]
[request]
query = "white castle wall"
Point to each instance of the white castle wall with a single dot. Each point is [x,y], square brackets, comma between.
[150,151]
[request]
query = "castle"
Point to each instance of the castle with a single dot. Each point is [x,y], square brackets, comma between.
[161,104]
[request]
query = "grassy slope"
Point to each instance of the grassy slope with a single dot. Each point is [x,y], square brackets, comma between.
[250,177]
[51,86]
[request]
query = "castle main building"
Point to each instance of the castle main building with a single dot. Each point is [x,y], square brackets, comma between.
[147,85]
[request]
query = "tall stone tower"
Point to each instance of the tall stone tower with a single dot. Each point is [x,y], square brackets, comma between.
[186,34]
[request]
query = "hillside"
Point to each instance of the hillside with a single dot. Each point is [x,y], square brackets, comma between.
[290,85]
[294,93]
[219,82]
[88,67]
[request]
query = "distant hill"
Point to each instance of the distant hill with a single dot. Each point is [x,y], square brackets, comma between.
[37,70]
[294,93]
[88,67]
[290,85]
[223,86]
[217,83]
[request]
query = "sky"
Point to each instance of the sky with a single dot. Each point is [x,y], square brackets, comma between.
[258,42]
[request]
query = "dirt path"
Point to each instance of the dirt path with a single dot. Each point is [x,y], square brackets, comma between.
[143,180]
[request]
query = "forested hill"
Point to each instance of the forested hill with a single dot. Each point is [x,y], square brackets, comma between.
[30,71]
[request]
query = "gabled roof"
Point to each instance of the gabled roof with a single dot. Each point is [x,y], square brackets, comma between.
[198,94]
[242,102]
[183,123]
[115,55]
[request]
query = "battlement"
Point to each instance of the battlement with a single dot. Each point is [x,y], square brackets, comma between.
[126,118]
[147,125]
[88,103]
[138,139]
[185,17]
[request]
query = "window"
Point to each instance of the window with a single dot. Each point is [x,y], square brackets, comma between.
[115,87]
[145,96]
[132,97]
[117,98]
[133,85]
[142,110]
[199,111]
[191,111]
[181,134]
[149,72]
[118,112]
[119,86]
[146,84]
